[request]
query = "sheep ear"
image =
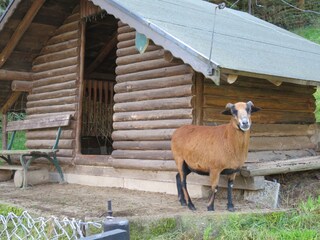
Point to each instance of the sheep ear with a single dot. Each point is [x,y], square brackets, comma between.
[228,109]
[253,108]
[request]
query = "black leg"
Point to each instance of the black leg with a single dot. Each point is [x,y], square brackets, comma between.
[180,193]
[186,171]
[230,204]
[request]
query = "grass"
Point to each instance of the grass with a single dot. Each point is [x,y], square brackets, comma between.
[301,223]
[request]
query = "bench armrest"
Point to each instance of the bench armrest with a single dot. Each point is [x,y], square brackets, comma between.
[9,146]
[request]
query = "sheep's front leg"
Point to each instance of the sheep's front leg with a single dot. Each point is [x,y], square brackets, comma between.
[230,206]
[214,179]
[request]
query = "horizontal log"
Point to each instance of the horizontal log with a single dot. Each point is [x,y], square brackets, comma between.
[147,154]
[56,56]
[143,66]
[133,50]
[154,124]
[155,83]
[50,95]
[51,102]
[162,93]
[131,59]
[55,87]
[93,160]
[280,143]
[56,79]
[73,18]
[280,167]
[52,109]
[126,36]
[50,134]
[65,160]
[53,48]
[21,86]
[64,37]
[155,73]
[65,153]
[6,75]
[142,135]
[125,29]
[67,61]
[154,165]
[282,130]
[153,115]
[67,27]
[169,103]
[264,116]
[265,156]
[125,44]
[274,102]
[56,72]
[63,144]
[142,145]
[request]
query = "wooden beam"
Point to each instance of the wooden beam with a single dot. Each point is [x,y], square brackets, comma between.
[11,100]
[21,86]
[106,49]
[6,75]
[20,30]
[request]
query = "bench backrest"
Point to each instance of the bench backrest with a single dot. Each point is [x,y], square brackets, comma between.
[45,122]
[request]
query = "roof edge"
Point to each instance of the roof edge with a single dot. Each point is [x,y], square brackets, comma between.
[271,78]
[177,48]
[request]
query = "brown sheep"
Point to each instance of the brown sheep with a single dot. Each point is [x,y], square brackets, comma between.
[213,150]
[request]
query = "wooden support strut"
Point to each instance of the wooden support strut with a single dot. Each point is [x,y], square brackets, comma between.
[20,30]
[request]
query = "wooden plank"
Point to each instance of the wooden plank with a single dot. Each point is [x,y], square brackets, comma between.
[50,134]
[133,50]
[282,130]
[142,135]
[155,165]
[153,115]
[53,109]
[7,75]
[279,167]
[57,121]
[53,101]
[267,156]
[47,144]
[55,72]
[55,79]
[27,151]
[20,30]
[67,61]
[56,56]
[64,37]
[50,95]
[55,87]
[152,55]
[154,124]
[21,86]
[63,46]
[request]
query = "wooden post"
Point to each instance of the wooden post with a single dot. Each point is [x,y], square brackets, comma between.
[4,131]
[198,105]
[11,100]
[81,85]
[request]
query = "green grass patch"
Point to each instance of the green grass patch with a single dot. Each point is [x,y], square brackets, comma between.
[301,223]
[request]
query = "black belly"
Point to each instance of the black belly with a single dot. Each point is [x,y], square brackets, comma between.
[229,171]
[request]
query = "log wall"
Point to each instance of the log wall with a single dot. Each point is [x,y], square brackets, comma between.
[285,123]
[55,88]
[153,97]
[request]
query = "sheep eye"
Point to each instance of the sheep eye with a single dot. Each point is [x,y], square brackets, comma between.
[234,112]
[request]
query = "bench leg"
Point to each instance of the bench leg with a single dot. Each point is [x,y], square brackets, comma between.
[7,159]
[55,162]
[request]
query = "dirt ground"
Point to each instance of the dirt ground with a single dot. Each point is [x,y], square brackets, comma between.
[84,202]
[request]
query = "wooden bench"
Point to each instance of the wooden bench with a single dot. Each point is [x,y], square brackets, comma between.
[29,155]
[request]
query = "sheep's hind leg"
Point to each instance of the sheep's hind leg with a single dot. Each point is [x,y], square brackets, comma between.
[181,198]
[214,179]
[183,174]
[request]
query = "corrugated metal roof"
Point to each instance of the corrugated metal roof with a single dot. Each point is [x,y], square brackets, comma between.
[242,43]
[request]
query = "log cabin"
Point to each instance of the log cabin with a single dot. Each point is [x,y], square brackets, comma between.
[131,72]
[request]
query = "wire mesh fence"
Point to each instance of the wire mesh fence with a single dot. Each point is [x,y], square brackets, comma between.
[24,226]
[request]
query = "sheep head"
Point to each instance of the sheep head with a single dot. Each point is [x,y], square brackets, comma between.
[241,112]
